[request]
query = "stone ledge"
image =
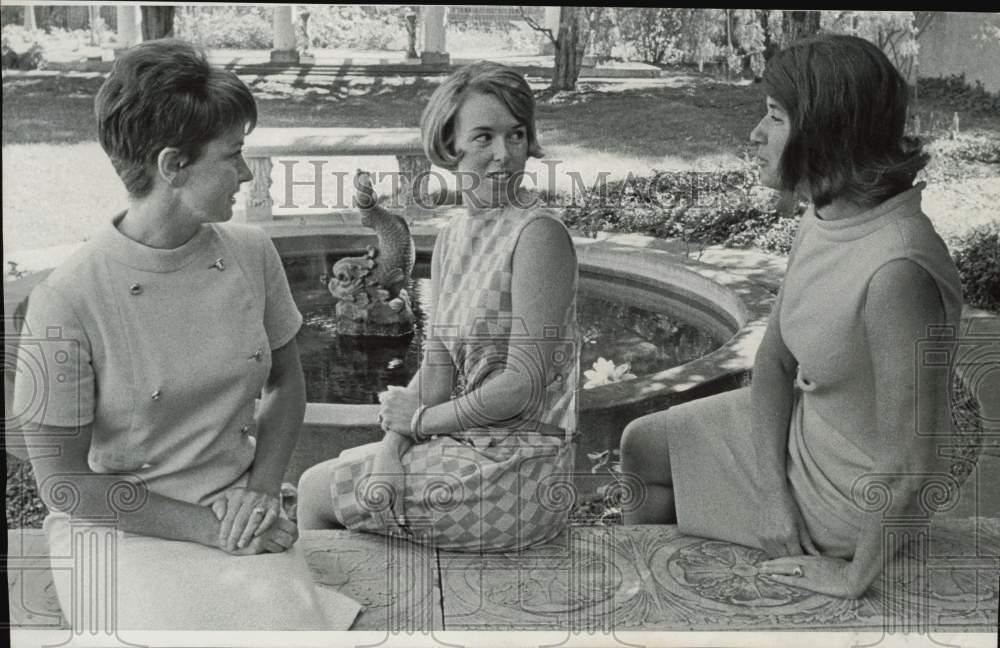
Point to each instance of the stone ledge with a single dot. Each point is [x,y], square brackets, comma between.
[291,142]
[606,578]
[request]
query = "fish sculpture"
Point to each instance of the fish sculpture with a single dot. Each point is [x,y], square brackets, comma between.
[396,252]
[370,289]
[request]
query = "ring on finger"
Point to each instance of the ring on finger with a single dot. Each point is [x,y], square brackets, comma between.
[259,510]
[797,571]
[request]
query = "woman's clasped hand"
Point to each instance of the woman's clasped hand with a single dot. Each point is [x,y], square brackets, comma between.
[246,515]
[398,405]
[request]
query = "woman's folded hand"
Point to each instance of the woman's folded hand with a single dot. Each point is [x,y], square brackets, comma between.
[244,515]
[278,537]
[396,412]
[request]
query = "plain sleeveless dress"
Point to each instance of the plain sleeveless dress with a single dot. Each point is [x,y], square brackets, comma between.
[484,489]
[821,313]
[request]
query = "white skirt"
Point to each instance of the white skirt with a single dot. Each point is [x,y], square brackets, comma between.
[106,578]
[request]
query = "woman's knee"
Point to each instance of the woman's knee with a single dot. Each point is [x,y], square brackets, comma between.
[314,484]
[644,438]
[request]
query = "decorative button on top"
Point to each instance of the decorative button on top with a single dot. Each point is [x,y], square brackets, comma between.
[156,395]
[258,355]
[219,264]
[244,429]
[135,289]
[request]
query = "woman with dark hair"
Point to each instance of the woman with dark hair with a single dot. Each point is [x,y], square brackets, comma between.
[161,331]
[478,447]
[840,406]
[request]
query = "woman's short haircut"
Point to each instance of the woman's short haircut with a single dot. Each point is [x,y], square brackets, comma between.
[847,106]
[164,93]
[437,124]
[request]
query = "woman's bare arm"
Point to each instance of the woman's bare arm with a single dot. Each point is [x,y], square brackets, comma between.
[435,379]
[279,420]
[542,288]
[67,484]
[903,301]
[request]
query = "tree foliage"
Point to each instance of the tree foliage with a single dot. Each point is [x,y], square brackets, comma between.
[741,40]
[654,32]
[895,32]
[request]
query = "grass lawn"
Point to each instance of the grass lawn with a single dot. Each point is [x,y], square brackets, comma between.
[58,183]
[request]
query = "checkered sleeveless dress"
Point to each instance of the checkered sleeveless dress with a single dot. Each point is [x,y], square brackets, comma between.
[496,488]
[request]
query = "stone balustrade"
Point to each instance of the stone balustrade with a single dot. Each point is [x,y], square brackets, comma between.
[263,145]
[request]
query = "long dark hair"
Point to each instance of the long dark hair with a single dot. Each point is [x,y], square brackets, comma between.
[847,105]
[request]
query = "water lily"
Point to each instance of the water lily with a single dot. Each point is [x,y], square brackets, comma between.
[605,372]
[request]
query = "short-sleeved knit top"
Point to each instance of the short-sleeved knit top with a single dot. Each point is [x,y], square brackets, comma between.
[163,351]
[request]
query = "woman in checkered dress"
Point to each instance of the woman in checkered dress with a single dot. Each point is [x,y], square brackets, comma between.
[478,450]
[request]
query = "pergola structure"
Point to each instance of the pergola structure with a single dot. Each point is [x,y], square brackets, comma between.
[285,50]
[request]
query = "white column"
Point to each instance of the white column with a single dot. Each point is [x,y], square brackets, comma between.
[93,15]
[284,36]
[128,28]
[552,15]
[29,18]
[435,52]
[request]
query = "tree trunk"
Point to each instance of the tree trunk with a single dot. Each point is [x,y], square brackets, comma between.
[802,24]
[771,47]
[571,42]
[157,22]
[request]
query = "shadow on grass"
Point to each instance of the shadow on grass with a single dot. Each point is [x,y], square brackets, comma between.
[682,115]
[59,109]
[685,116]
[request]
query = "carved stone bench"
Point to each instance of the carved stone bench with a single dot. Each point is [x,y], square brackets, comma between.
[607,578]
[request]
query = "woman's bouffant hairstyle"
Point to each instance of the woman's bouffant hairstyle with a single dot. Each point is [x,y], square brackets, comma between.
[164,93]
[847,106]
[437,124]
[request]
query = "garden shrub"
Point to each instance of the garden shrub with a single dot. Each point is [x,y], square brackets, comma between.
[22,48]
[500,37]
[972,148]
[977,256]
[957,93]
[722,206]
[370,27]
[778,238]
[25,509]
[246,27]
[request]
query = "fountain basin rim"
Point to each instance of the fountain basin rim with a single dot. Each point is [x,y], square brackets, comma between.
[740,303]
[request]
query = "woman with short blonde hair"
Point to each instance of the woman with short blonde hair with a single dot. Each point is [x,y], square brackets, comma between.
[478,448]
